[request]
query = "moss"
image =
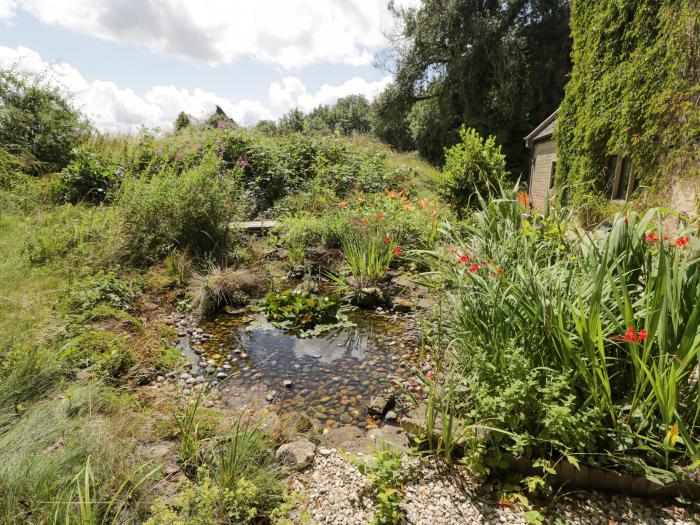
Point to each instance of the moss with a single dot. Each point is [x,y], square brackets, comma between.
[103,351]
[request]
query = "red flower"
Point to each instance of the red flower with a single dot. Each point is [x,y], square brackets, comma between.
[464,259]
[365,222]
[397,250]
[652,236]
[498,271]
[380,216]
[474,268]
[387,240]
[642,335]
[681,242]
[629,335]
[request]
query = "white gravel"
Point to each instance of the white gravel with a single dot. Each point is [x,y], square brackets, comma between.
[338,494]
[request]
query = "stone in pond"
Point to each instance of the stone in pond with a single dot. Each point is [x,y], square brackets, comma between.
[298,454]
[288,383]
[390,416]
[271,396]
[379,405]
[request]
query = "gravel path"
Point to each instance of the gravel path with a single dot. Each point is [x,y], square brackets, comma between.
[338,494]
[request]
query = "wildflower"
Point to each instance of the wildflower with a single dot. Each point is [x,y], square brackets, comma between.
[397,250]
[380,216]
[652,237]
[429,375]
[222,125]
[391,194]
[408,207]
[365,222]
[681,242]
[642,335]
[629,335]
[387,240]
[178,156]
[497,272]
[360,200]
[473,268]
[242,162]
[342,204]
[464,259]
[197,146]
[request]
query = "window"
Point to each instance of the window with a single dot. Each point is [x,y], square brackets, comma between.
[622,176]
[552,174]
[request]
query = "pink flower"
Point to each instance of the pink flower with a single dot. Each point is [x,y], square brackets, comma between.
[222,125]
[198,146]
[179,156]
[242,162]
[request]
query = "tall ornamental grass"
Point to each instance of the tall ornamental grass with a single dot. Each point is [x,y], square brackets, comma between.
[582,345]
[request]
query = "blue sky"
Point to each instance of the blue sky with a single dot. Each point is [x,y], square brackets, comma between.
[132,62]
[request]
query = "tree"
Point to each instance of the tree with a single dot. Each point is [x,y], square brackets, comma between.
[496,65]
[291,122]
[37,120]
[182,121]
[351,115]
[266,127]
[389,117]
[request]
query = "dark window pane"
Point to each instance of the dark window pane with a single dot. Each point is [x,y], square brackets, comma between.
[552,174]
[625,175]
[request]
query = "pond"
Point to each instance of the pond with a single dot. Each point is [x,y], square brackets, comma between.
[331,378]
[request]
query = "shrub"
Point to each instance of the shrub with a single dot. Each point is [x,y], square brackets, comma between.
[104,288]
[472,167]
[584,349]
[37,120]
[88,177]
[223,286]
[190,212]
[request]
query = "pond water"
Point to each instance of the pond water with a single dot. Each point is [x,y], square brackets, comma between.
[330,378]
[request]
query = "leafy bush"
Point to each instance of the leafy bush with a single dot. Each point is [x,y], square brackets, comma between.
[473,166]
[38,121]
[190,212]
[103,288]
[88,177]
[584,349]
[103,351]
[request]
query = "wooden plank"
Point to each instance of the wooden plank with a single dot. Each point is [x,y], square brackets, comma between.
[264,224]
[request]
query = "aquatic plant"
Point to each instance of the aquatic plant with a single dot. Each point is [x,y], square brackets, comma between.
[307,314]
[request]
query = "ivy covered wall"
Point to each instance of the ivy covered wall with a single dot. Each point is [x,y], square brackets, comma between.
[634,90]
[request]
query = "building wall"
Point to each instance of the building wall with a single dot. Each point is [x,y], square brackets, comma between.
[544,153]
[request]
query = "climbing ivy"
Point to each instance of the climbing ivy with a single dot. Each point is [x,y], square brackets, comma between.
[634,91]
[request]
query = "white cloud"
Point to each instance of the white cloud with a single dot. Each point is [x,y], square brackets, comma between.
[7,10]
[116,109]
[291,92]
[286,33]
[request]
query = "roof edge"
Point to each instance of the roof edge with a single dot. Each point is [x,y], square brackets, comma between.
[546,122]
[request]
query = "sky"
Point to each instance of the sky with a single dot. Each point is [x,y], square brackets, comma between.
[129,63]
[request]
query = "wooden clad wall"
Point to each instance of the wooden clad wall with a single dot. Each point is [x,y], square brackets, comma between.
[544,154]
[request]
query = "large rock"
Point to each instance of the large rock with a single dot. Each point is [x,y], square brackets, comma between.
[297,455]
[390,437]
[336,437]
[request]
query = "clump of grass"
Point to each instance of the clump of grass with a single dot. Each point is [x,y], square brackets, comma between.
[224,287]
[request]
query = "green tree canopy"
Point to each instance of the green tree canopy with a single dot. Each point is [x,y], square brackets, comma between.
[498,66]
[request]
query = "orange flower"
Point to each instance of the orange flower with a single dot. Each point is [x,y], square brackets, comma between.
[408,207]
[342,204]
[380,216]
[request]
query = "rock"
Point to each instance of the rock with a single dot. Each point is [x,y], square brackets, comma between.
[370,297]
[160,379]
[390,437]
[298,454]
[335,437]
[325,451]
[288,383]
[379,405]
[390,416]
[401,304]
[271,396]
[185,376]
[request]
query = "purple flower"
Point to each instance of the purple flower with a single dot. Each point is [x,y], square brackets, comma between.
[222,124]
[242,162]
[178,156]
[197,146]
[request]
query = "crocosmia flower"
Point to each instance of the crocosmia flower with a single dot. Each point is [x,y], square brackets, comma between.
[652,236]
[681,242]
[397,250]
